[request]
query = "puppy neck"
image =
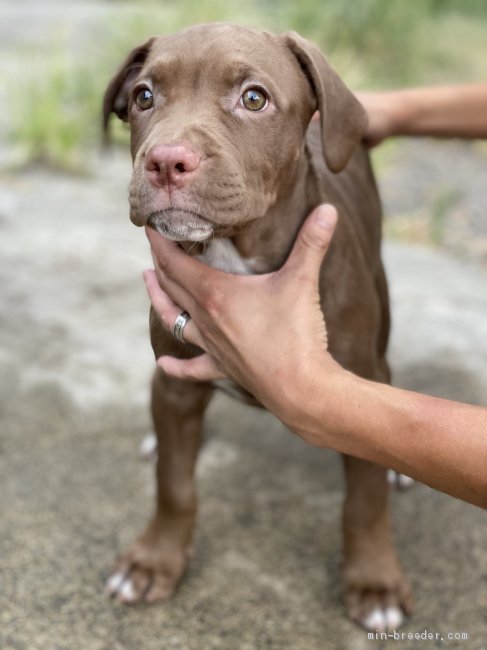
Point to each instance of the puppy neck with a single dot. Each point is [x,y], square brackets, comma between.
[267,241]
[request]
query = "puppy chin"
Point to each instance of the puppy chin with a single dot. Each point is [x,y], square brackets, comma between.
[178,225]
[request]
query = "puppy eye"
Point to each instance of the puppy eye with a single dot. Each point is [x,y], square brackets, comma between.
[254,99]
[144,99]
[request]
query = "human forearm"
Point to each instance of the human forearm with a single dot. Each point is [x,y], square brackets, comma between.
[439,442]
[443,111]
[449,111]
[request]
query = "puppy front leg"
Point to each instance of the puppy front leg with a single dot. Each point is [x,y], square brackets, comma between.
[151,568]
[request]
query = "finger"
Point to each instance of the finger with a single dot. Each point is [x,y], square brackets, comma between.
[183,270]
[202,368]
[313,241]
[172,287]
[168,310]
[160,300]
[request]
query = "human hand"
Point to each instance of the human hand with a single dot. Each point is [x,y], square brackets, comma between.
[267,332]
[384,110]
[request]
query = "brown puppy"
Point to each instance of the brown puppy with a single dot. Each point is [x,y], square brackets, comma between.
[224,155]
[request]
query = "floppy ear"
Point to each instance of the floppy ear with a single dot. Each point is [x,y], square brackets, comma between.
[116,98]
[343,119]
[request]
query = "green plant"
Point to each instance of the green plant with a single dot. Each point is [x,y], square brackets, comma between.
[55,115]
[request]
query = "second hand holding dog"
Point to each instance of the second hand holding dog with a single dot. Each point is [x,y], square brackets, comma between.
[222,304]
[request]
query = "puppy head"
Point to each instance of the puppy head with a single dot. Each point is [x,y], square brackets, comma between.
[218,116]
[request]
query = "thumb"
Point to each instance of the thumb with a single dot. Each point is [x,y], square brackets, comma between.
[313,240]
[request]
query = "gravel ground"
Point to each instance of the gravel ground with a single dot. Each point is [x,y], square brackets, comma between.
[434,193]
[74,368]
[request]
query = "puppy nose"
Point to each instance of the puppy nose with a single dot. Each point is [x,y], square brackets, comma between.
[171,165]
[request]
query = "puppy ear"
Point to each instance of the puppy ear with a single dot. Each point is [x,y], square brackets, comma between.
[116,98]
[343,119]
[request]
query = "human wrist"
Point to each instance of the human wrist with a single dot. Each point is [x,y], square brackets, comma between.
[403,108]
[313,399]
[341,412]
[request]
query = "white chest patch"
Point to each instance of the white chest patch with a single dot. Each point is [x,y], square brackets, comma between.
[221,254]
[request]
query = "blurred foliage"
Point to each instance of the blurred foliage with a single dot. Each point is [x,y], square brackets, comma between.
[372,43]
[59,118]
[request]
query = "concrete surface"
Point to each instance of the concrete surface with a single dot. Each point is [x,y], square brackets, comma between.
[74,369]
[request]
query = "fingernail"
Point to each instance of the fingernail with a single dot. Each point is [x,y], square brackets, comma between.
[326,217]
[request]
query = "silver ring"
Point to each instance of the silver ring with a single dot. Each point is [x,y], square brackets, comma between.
[179,325]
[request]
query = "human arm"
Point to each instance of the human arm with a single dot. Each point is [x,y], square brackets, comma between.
[443,111]
[436,441]
[267,332]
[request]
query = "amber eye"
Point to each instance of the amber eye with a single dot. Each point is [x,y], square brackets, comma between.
[144,99]
[254,99]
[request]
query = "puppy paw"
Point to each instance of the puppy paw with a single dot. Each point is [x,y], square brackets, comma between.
[383,619]
[378,599]
[399,481]
[131,584]
[148,573]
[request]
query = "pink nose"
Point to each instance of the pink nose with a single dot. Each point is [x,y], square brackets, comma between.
[170,165]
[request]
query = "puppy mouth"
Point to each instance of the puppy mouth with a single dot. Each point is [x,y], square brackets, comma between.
[181,225]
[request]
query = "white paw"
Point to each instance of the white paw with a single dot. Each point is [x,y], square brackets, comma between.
[148,447]
[399,481]
[126,593]
[114,583]
[121,586]
[383,620]
[394,618]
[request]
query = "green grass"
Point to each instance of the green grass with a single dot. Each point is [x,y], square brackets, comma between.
[372,43]
[58,118]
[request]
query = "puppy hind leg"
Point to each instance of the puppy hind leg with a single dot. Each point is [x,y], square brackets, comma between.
[377,593]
